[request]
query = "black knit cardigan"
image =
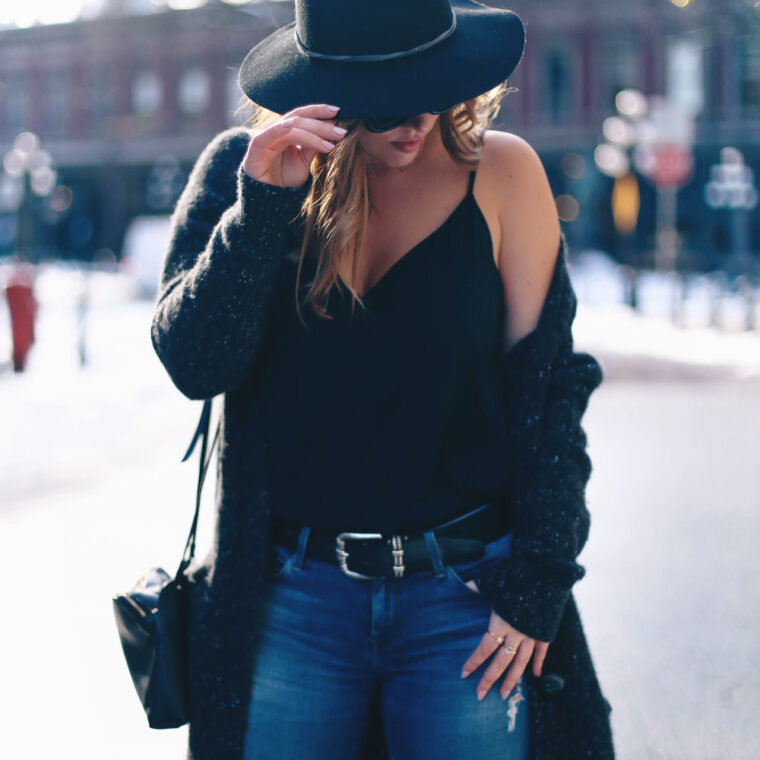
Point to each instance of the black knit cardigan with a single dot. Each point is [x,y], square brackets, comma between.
[229,233]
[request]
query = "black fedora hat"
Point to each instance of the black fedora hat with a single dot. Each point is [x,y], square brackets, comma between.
[383,57]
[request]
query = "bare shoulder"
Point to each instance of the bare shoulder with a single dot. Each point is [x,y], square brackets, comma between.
[516,188]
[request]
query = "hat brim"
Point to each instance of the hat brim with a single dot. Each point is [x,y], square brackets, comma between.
[483,51]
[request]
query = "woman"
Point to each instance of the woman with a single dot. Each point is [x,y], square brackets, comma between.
[380,298]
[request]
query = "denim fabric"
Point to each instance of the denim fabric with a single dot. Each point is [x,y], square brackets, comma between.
[328,641]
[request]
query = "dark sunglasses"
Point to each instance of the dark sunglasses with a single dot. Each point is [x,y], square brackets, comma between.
[387,123]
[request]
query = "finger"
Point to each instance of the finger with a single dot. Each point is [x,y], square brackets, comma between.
[520,662]
[263,140]
[302,138]
[498,664]
[314,111]
[482,652]
[327,129]
[539,655]
[272,137]
[306,155]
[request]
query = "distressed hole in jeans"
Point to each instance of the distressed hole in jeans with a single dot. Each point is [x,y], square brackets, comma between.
[513,702]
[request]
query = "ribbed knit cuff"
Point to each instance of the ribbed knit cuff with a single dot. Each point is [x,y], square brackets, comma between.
[263,203]
[529,600]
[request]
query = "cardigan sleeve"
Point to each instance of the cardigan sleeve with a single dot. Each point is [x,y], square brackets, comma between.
[228,235]
[529,589]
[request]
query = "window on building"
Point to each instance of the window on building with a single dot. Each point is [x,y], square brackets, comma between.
[193,95]
[749,78]
[99,99]
[194,91]
[620,67]
[556,84]
[684,80]
[147,93]
[56,95]
[14,113]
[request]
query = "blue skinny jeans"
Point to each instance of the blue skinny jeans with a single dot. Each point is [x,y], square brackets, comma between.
[329,641]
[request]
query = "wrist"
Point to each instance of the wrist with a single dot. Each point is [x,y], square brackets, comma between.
[269,183]
[262,201]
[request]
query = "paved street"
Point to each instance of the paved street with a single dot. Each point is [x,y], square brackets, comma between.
[89,458]
[671,599]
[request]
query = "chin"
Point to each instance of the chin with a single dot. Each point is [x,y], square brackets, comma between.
[398,160]
[404,160]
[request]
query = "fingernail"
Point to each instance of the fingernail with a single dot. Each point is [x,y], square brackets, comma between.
[505,695]
[328,145]
[288,122]
[465,673]
[334,108]
[340,131]
[481,694]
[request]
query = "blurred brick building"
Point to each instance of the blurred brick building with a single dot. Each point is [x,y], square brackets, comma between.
[125,102]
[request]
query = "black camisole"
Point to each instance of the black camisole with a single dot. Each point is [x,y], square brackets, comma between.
[391,419]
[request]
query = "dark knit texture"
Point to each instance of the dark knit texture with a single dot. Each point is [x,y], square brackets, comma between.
[229,234]
[548,386]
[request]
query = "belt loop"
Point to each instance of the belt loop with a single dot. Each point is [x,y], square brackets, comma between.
[303,537]
[435,554]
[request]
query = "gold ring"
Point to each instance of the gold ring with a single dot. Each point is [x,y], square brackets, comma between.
[499,639]
[508,648]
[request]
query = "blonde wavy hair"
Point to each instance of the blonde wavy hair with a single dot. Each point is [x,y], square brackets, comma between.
[335,213]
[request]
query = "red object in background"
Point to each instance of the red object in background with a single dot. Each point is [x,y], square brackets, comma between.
[673,165]
[19,293]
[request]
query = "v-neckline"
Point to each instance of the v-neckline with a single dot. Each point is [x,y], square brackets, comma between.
[395,265]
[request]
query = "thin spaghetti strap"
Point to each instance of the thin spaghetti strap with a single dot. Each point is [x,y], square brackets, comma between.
[472,182]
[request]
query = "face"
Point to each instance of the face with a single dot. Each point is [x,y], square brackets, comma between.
[400,146]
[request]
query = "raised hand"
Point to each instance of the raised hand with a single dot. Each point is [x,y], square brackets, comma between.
[281,153]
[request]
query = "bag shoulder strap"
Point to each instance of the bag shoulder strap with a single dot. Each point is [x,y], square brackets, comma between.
[201,432]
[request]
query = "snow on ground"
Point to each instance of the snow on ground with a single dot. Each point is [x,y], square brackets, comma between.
[605,325]
[92,493]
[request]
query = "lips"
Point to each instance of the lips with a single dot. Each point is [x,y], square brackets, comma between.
[407,146]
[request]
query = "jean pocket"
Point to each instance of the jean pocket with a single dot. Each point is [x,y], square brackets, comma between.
[280,561]
[461,572]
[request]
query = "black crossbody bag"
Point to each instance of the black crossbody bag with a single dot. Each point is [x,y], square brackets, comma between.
[152,618]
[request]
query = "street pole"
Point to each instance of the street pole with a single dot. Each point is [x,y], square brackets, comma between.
[732,187]
[25,235]
[666,236]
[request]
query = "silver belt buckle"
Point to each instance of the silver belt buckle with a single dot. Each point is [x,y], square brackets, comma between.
[342,554]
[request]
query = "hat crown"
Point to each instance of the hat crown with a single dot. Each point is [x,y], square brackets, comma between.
[360,29]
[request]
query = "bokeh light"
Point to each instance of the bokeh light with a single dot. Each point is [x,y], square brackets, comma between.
[611,160]
[618,131]
[42,179]
[13,162]
[567,207]
[631,103]
[26,142]
[573,165]
[60,198]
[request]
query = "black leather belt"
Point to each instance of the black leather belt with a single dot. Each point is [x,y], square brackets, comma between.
[379,555]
